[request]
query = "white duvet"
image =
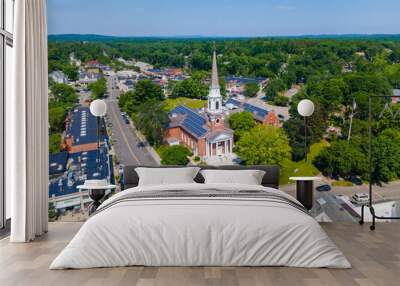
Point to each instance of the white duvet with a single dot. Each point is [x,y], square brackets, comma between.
[200,231]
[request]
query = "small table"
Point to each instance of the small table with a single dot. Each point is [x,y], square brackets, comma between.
[96,193]
[305,190]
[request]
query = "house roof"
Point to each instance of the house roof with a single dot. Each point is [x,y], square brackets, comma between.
[244,80]
[81,166]
[57,162]
[189,120]
[82,127]
[258,112]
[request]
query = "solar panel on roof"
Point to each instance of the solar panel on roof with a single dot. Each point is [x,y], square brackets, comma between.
[259,111]
[193,122]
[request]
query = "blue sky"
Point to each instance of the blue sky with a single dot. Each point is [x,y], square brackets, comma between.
[223,17]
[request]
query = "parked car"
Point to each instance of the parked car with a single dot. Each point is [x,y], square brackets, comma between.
[324,188]
[356,181]
[360,198]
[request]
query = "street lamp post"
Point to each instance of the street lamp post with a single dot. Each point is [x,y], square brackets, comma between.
[98,108]
[305,108]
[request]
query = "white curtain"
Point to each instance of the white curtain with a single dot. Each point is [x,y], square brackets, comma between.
[27,124]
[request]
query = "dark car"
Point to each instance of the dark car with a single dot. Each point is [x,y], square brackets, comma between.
[324,188]
[356,181]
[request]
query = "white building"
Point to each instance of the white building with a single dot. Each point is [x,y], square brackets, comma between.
[58,77]
[143,66]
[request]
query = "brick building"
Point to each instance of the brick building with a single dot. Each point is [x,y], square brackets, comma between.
[202,131]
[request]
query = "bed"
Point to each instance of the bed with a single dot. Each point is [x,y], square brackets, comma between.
[201,224]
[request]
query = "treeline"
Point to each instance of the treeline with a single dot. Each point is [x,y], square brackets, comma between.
[293,60]
[61,100]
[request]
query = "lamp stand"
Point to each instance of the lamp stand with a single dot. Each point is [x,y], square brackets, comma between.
[98,142]
[305,138]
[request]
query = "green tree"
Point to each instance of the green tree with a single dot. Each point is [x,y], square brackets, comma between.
[251,89]
[54,143]
[274,87]
[63,94]
[152,120]
[263,145]
[343,159]
[281,100]
[386,156]
[52,213]
[98,88]
[57,118]
[147,90]
[175,155]
[190,88]
[241,122]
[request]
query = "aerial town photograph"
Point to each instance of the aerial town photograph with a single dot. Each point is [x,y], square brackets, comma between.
[200,143]
[216,101]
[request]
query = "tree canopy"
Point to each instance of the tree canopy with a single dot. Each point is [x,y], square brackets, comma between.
[175,155]
[263,145]
[241,122]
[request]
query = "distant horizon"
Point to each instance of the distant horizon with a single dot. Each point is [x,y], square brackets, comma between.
[227,36]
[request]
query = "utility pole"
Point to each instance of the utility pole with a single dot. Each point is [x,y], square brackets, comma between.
[353,108]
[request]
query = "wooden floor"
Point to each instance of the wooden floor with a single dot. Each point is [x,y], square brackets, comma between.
[375,257]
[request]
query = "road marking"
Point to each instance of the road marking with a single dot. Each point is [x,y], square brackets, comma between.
[123,134]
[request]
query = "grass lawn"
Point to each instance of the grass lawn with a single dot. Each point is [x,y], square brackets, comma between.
[171,103]
[302,168]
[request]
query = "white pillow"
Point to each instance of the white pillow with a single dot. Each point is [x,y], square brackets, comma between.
[244,177]
[166,176]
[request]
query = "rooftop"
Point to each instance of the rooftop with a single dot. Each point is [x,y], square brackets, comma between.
[80,166]
[57,162]
[244,80]
[82,127]
[258,113]
[190,120]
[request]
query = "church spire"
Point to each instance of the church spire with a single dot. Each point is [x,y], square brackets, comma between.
[214,95]
[214,73]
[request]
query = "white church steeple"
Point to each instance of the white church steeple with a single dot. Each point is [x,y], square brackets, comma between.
[214,95]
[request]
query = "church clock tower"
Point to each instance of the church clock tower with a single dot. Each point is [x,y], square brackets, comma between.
[214,96]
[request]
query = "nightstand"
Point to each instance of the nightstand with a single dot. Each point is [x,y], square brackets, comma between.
[96,193]
[305,190]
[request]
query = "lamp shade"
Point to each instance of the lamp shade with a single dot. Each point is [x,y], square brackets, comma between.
[98,108]
[305,107]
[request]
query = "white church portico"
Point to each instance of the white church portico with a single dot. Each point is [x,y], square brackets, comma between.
[220,146]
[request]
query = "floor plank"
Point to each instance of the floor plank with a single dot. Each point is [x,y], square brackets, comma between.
[375,257]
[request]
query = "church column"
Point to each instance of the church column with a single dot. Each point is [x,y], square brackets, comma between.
[231,146]
[226,147]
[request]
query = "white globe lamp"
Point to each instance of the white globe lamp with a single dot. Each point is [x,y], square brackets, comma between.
[98,108]
[305,108]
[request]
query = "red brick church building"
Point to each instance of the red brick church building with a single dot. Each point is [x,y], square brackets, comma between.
[205,131]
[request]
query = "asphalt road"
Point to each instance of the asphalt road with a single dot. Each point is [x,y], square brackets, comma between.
[125,141]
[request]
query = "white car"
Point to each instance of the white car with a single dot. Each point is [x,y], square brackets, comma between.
[360,198]
[231,106]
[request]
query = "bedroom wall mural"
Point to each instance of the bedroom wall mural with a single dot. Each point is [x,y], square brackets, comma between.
[216,101]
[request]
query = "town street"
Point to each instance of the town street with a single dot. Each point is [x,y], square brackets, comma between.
[126,143]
